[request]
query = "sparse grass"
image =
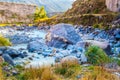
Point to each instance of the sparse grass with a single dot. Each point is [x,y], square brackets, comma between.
[99,73]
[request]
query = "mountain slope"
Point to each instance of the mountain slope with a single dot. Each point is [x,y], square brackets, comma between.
[87,7]
[50,5]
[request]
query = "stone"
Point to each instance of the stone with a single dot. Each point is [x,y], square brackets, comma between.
[8,59]
[61,35]
[1,59]
[69,58]
[113,5]
[14,72]
[83,58]
[80,44]
[35,46]
[12,52]
[117,34]
[19,38]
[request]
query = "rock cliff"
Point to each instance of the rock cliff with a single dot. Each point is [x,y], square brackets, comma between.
[113,5]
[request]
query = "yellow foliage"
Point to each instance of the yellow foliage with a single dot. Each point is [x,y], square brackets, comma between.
[4,41]
[40,13]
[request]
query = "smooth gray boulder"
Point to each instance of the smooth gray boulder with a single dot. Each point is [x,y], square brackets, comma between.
[61,35]
[36,46]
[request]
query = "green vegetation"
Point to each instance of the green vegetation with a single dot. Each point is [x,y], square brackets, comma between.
[4,41]
[96,56]
[40,13]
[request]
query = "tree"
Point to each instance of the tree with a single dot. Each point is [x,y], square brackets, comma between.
[40,13]
[96,56]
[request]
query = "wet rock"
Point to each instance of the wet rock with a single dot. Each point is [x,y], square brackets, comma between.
[36,46]
[12,52]
[30,58]
[117,34]
[117,44]
[19,38]
[61,35]
[8,59]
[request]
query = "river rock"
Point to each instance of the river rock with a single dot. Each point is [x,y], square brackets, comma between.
[117,34]
[12,52]
[61,35]
[36,46]
[69,58]
[8,59]
[19,38]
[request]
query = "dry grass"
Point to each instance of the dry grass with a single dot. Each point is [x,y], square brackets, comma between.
[42,73]
[99,73]
[1,74]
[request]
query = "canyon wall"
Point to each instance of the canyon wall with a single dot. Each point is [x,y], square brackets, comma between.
[113,5]
[13,12]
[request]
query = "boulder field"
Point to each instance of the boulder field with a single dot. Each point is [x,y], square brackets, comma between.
[37,46]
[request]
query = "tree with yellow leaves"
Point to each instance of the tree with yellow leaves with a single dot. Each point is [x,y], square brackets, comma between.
[40,13]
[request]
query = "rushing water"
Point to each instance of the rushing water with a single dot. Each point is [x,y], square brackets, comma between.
[37,59]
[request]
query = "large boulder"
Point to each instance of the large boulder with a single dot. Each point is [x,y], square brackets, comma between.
[61,35]
[36,46]
[12,52]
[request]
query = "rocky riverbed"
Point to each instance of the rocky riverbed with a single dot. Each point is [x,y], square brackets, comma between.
[34,46]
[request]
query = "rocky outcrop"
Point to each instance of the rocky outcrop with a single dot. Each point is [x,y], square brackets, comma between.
[113,5]
[61,35]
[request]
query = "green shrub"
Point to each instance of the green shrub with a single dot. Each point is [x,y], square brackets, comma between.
[96,55]
[4,41]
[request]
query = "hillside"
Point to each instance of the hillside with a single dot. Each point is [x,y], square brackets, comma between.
[50,5]
[87,7]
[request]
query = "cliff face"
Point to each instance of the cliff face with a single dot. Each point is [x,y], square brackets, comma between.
[12,12]
[113,5]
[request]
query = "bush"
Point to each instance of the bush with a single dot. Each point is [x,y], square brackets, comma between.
[4,41]
[96,56]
